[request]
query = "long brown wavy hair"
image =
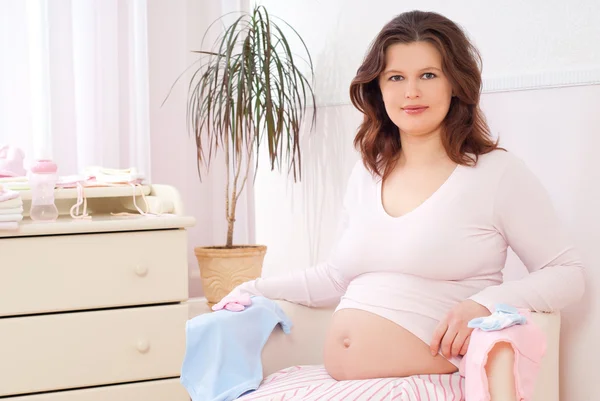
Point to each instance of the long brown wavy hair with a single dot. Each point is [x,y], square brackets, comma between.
[465,133]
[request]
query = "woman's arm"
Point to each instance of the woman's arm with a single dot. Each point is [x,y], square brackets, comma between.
[317,286]
[321,285]
[526,218]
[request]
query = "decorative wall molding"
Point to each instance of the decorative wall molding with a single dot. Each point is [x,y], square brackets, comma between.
[542,80]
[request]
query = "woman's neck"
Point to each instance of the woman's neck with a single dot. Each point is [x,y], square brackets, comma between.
[422,150]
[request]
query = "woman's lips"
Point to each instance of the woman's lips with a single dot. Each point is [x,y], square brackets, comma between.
[414,110]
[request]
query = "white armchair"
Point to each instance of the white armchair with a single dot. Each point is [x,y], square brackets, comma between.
[304,346]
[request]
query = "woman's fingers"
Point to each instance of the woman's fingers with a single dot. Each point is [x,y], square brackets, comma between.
[448,340]
[438,334]
[465,346]
[461,337]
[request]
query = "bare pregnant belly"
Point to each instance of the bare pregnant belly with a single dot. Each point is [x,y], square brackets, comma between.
[362,345]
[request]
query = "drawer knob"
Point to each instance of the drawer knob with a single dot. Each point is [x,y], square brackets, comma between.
[141,270]
[143,346]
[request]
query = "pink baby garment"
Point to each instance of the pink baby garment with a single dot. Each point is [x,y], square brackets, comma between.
[529,344]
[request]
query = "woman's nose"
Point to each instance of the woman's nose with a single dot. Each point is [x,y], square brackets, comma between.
[412,90]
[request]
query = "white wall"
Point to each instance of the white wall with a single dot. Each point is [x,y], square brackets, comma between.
[517,39]
[172,151]
[547,46]
[175,28]
[568,122]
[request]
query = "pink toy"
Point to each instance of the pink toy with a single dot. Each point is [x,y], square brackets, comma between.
[11,161]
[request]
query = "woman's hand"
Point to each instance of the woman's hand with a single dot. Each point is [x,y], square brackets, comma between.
[452,334]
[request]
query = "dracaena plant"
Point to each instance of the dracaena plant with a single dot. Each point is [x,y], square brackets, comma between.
[250,92]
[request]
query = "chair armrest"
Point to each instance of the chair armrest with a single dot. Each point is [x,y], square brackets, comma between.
[547,386]
[304,346]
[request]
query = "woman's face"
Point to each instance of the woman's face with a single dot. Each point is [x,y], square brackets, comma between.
[415,91]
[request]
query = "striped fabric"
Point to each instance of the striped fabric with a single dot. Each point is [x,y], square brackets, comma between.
[312,383]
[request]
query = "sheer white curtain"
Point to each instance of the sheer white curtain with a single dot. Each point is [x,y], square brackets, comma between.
[74,82]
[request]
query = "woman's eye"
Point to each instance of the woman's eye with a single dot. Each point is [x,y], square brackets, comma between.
[395,78]
[429,75]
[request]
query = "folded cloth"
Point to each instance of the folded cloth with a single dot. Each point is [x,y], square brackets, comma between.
[14,210]
[100,176]
[71,181]
[12,203]
[5,180]
[9,226]
[8,194]
[10,217]
[223,350]
[15,183]
[18,186]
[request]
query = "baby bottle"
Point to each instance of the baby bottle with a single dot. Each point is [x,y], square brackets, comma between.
[42,179]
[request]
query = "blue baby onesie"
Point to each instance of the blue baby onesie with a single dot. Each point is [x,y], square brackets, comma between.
[223,350]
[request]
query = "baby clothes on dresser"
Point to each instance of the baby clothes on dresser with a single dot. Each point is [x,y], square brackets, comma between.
[13,177]
[15,183]
[11,209]
[101,176]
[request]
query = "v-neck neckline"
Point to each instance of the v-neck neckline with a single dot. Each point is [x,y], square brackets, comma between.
[423,205]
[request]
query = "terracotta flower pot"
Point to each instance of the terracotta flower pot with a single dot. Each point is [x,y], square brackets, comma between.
[222,269]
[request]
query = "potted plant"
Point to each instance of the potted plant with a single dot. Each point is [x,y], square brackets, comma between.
[249,91]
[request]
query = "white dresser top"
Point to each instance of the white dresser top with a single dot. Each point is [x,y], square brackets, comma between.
[67,225]
[94,192]
[119,199]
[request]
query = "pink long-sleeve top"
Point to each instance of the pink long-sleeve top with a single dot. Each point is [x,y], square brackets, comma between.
[413,269]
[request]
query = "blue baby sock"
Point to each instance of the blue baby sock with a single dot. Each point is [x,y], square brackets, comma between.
[504,316]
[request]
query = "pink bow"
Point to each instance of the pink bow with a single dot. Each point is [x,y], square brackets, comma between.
[233,303]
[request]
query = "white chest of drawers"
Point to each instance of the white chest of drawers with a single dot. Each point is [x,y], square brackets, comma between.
[95,310]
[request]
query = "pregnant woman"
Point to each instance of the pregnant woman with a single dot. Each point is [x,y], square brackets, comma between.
[429,213]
